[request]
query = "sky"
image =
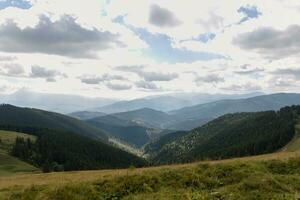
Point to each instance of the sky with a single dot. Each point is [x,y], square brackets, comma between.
[135,48]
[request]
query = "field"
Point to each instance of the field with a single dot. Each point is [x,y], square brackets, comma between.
[269,176]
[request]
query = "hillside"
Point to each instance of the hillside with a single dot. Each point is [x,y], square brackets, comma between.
[15,116]
[85,115]
[209,111]
[10,165]
[145,117]
[163,103]
[274,176]
[232,135]
[55,150]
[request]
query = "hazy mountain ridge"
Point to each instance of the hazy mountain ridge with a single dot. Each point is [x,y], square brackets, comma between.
[16,116]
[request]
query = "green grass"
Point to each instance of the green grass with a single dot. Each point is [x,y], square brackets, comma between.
[273,179]
[294,145]
[10,165]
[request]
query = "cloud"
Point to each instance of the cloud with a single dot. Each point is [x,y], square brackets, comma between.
[270,42]
[242,87]
[162,17]
[148,75]
[211,78]
[7,58]
[92,79]
[289,72]
[63,37]
[246,69]
[12,70]
[49,75]
[146,85]
[118,86]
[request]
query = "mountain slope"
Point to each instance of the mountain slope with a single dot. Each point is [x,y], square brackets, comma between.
[233,135]
[215,109]
[61,103]
[85,115]
[15,116]
[163,103]
[10,165]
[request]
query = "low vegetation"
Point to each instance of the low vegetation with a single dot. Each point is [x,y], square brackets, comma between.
[234,179]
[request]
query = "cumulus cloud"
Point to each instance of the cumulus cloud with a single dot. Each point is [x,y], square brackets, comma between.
[247,69]
[146,85]
[148,75]
[118,86]
[62,37]
[289,72]
[162,17]
[92,79]
[210,78]
[49,75]
[270,42]
[13,70]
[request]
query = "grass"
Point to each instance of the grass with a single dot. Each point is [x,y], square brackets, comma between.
[294,145]
[10,165]
[235,179]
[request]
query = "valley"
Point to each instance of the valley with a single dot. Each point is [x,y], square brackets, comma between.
[132,155]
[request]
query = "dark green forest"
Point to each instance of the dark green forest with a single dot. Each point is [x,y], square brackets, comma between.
[64,151]
[232,135]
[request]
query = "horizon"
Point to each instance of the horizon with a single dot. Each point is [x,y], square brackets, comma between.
[111,49]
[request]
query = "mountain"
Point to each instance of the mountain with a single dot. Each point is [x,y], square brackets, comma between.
[30,117]
[162,103]
[85,115]
[145,117]
[209,111]
[61,103]
[232,135]
[134,127]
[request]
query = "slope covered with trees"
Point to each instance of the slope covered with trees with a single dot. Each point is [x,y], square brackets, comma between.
[16,116]
[233,135]
[63,151]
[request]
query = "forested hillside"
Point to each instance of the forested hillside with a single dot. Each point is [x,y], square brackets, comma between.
[63,151]
[15,116]
[232,135]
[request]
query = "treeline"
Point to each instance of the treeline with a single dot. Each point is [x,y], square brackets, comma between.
[233,135]
[63,151]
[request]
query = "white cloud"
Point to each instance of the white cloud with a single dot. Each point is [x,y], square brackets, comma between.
[92,30]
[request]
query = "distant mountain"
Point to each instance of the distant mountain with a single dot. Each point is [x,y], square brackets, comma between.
[232,135]
[29,117]
[53,102]
[85,115]
[134,127]
[208,111]
[145,117]
[161,103]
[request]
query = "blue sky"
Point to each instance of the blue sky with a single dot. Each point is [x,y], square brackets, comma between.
[15,3]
